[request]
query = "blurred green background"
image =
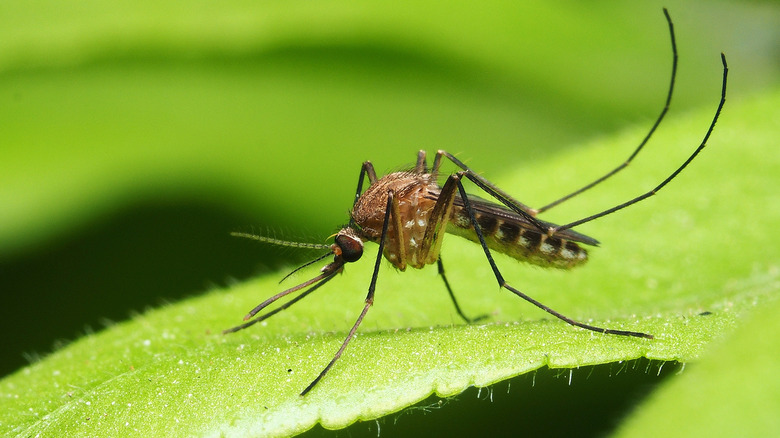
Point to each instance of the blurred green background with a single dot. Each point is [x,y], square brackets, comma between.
[137,135]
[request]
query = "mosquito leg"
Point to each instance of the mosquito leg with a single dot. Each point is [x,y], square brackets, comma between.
[434,235]
[437,223]
[647,137]
[436,163]
[452,296]
[675,173]
[366,169]
[422,164]
[488,186]
[493,190]
[369,302]
[394,211]
[369,298]
[502,283]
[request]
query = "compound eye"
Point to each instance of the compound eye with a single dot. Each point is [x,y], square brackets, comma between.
[351,248]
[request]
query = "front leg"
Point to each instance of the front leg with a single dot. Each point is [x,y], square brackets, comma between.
[422,164]
[369,298]
[366,169]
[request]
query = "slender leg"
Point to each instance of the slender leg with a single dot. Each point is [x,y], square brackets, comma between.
[369,298]
[434,235]
[366,169]
[675,173]
[491,189]
[437,223]
[452,296]
[529,213]
[647,137]
[422,165]
[398,227]
[502,283]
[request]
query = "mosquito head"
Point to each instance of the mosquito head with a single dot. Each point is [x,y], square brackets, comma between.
[348,246]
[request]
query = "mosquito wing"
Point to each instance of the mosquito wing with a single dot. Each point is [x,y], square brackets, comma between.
[508,232]
[484,208]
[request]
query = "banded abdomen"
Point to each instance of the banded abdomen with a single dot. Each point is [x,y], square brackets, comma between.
[507,232]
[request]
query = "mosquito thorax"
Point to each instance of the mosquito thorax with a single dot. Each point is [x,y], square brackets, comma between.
[348,245]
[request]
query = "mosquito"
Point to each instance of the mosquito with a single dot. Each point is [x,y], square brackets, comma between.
[408,213]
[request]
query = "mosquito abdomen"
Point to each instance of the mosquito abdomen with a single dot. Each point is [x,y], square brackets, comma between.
[523,243]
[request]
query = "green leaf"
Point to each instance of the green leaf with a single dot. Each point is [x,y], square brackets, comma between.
[734,388]
[659,270]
